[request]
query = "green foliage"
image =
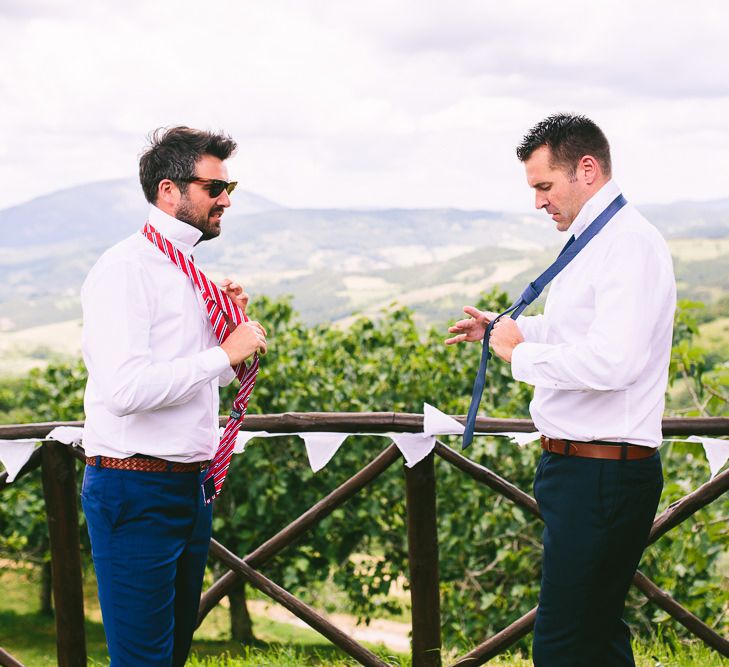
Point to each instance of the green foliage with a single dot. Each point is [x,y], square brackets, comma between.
[51,394]
[489,550]
[371,366]
[55,393]
[703,375]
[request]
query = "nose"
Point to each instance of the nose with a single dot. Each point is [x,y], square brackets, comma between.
[540,200]
[223,200]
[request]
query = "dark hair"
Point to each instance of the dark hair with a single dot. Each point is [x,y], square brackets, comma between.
[569,138]
[173,152]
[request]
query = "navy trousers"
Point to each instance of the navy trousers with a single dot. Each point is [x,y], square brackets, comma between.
[149,533]
[597,517]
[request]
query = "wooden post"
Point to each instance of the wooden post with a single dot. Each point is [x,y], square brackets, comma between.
[59,489]
[423,562]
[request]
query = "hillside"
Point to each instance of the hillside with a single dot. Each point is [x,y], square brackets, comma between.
[334,262]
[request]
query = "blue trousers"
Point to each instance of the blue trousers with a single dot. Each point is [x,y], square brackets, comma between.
[149,533]
[597,515]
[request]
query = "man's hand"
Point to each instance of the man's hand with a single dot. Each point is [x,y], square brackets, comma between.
[472,329]
[505,336]
[245,340]
[235,292]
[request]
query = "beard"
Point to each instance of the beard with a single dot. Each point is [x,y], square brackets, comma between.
[200,220]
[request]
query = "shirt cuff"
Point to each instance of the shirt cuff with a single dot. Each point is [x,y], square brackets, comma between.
[529,326]
[522,358]
[227,376]
[214,361]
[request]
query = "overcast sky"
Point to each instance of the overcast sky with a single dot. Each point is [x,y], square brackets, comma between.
[365,103]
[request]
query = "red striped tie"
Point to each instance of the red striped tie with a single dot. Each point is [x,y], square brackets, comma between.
[218,305]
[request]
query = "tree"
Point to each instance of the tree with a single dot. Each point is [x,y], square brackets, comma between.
[489,550]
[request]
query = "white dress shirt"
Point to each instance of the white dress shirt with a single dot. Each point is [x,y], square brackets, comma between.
[153,360]
[598,356]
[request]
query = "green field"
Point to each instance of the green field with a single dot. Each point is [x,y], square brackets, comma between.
[436,290]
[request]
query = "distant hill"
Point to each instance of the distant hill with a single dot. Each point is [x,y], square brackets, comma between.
[334,262]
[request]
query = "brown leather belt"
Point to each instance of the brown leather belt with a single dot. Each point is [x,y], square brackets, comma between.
[144,463]
[614,451]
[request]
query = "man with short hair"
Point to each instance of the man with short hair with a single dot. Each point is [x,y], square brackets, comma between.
[598,360]
[151,402]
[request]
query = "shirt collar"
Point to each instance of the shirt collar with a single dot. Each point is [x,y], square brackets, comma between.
[182,235]
[593,207]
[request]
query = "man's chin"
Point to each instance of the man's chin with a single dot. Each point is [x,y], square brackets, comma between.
[211,231]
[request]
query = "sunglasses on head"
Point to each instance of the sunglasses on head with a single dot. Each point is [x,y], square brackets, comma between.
[214,186]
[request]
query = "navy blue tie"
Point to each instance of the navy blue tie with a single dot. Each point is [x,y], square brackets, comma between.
[530,294]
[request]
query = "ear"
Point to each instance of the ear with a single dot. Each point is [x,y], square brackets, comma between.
[590,168]
[168,194]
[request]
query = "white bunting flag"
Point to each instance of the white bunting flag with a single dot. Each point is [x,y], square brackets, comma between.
[436,422]
[321,447]
[717,452]
[413,446]
[244,437]
[68,435]
[14,454]
[519,438]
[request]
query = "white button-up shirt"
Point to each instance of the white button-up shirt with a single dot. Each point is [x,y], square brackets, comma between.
[598,356]
[153,360]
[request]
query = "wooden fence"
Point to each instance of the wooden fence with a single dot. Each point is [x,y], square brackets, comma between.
[58,467]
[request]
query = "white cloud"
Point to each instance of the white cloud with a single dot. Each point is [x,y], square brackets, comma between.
[401,103]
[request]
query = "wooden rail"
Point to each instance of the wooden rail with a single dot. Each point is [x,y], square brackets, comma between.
[381,422]
[60,491]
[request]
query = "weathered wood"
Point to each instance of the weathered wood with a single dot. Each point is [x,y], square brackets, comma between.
[39,430]
[381,422]
[682,509]
[695,426]
[489,478]
[682,615]
[298,608]
[423,563]
[499,642]
[31,464]
[7,660]
[353,422]
[298,527]
[60,491]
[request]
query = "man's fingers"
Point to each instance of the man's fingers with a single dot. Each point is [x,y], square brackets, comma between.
[461,326]
[232,288]
[475,313]
[258,326]
[456,339]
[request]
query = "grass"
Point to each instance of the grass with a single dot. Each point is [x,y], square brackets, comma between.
[30,636]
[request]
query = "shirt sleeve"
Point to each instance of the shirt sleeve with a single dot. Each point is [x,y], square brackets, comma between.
[531,327]
[617,346]
[227,376]
[116,350]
